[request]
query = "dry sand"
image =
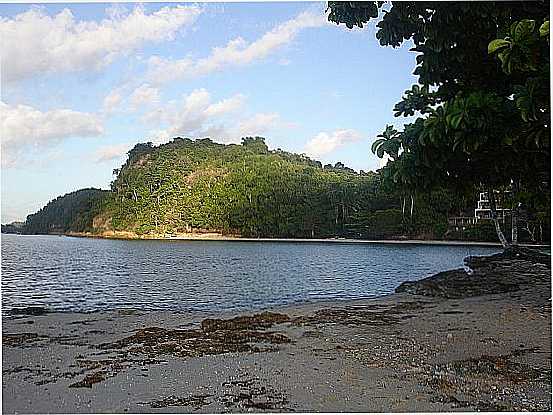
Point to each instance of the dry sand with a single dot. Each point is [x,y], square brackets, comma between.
[402,352]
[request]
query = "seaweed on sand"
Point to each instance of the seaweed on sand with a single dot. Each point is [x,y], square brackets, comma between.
[20,339]
[216,336]
[372,315]
[196,401]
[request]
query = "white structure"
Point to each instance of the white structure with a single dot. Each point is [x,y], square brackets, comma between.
[483,210]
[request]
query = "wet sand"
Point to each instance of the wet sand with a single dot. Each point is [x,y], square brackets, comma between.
[403,352]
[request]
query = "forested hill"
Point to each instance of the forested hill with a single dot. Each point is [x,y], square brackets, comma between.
[247,190]
[71,212]
[238,189]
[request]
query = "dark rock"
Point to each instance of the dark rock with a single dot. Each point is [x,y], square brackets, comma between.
[28,311]
[90,380]
[507,271]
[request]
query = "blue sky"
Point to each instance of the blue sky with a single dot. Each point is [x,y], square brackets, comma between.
[82,83]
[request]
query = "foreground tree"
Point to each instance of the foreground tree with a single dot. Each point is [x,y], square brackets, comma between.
[483,108]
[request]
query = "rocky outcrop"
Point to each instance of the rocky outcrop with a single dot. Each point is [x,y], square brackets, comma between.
[508,271]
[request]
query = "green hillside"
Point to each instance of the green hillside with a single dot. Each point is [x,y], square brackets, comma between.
[239,189]
[248,190]
[72,212]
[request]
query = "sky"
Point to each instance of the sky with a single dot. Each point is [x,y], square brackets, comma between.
[81,84]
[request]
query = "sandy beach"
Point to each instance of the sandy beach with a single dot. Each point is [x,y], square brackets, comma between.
[212,236]
[442,351]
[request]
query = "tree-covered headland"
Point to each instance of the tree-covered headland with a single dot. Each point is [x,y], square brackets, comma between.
[199,185]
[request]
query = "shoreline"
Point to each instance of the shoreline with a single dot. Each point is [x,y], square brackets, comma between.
[219,237]
[402,352]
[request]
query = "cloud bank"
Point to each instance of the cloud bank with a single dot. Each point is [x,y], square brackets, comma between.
[25,129]
[34,43]
[237,52]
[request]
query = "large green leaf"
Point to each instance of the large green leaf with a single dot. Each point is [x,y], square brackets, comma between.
[523,29]
[498,44]
[544,29]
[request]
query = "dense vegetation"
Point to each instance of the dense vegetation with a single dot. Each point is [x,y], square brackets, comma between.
[72,212]
[14,227]
[482,99]
[247,189]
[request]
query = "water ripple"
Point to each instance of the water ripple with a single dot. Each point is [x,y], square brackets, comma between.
[76,274]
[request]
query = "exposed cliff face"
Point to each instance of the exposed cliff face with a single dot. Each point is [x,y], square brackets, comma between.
[101,222]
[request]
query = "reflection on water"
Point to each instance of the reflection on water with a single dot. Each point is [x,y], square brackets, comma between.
[77,274]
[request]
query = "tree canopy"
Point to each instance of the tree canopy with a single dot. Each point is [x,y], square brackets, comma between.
[482,97]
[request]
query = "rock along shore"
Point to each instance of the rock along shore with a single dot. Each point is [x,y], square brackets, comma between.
[454,341]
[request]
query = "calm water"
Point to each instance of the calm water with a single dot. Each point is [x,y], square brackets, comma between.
[77,274]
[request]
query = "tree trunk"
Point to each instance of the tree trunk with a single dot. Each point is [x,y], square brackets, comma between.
[514,214]
[412,205]
[531,232]
[493,210]
[514,225]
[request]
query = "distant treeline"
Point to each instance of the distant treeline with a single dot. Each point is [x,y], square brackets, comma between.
[248,190]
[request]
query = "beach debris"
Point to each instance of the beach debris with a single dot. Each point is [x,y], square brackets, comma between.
[238,394]
[91,379]
[252,393]
[216,336]
[491,383]
[361,315]
[243,334]
[20,339]
[263,320]
[196,401]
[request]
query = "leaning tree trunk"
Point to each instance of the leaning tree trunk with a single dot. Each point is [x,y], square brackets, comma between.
[493,210]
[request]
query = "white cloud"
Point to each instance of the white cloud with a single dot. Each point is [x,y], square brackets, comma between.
[34,43]
[236,52]
[112,101]
[226,106]
[24,128]
[193,115]
[325,143]
[144,95]
[197,116]
[258,124]
[112,152]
